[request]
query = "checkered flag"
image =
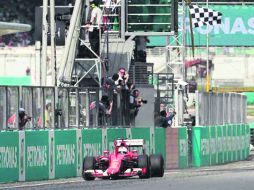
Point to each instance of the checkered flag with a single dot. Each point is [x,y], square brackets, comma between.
[203,16]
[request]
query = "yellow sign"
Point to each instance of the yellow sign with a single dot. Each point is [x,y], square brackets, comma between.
[233,89]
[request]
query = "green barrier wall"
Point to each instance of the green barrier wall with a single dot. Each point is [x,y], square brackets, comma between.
[142,133]
[65,153]
[196,146]
[50,154]
[9,156]
[160,142]
[91,142]
[36,155]
[113,134]
[219,144]
[205,146]
[182,147]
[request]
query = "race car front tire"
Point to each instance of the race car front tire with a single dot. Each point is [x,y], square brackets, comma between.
[88,164]
[143,162]
[157,165]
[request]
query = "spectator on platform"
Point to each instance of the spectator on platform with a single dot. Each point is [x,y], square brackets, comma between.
[94,26]
[105,109]
[141,43]
[165,120]
[134,105]
[48,115]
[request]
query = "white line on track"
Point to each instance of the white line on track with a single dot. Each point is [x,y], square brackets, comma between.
[34,184]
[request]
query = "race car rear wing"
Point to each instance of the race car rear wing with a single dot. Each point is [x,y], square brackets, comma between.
[131,142]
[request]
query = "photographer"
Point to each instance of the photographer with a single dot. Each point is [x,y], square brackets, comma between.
[123,77]
[135,103]
[23,118]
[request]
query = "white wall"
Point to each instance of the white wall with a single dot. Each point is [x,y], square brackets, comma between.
[14,62]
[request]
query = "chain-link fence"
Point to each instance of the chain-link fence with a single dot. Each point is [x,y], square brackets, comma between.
[220,108]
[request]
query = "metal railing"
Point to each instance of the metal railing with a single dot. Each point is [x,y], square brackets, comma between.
[220,108]
[60,107]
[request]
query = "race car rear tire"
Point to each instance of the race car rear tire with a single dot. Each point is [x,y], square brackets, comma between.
[88,164]
[157,165]
[143,162]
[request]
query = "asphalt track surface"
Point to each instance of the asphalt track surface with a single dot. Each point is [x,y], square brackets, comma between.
[233,176]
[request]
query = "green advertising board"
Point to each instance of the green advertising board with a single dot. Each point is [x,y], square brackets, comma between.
[247,140]
[36,155]
[234,142]
[182,147]
[142,133]
[65,153]
[236,29]
[213,142]
[91,142]
[220,147]
[205,146]
[9,156]
[228,143]
[113,134]
[196,146]
[160,141]
[225,145]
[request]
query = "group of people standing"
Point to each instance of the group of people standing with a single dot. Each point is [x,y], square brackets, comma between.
[120,99]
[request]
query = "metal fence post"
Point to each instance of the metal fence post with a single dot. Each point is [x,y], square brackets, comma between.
[87,108]
[197,108]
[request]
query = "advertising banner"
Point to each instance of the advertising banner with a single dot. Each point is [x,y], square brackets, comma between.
[65,153]
[91,142]
[183,147]
[229,143]
[36,155]
[9,156]
[220,144]
[234,143]
[213,145]
[238,142]
[205,147]
[236,29]
[160,141]
[142,133]
[113,134]
[247,140]
[225,145]
[196,146]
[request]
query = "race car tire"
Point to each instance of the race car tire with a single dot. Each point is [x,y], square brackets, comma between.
[88,164]
[157,165]
[143,162]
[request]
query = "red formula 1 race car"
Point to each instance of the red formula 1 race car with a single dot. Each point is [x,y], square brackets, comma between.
[124,161]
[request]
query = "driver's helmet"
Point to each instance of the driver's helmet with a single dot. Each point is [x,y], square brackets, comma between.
[122,150]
